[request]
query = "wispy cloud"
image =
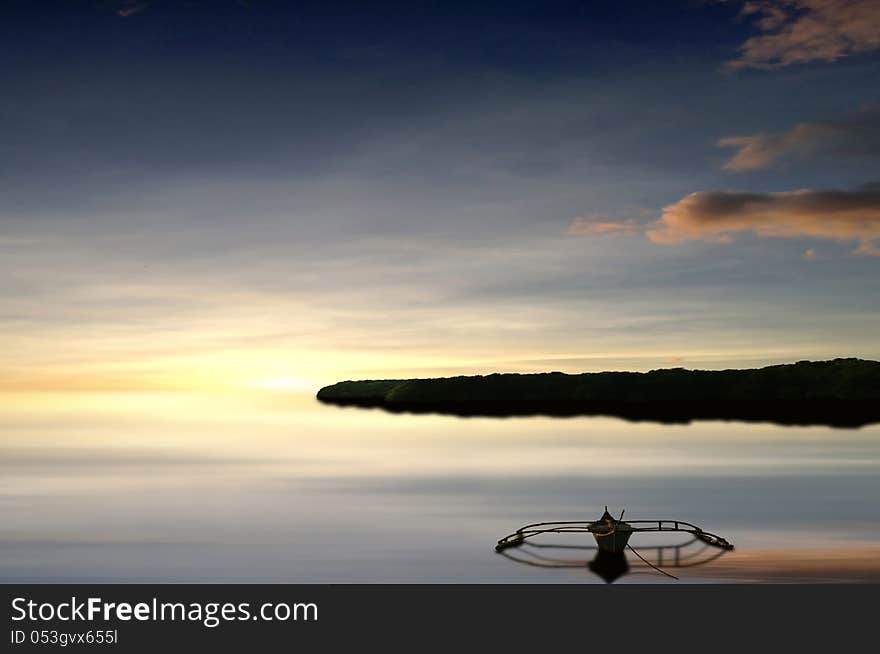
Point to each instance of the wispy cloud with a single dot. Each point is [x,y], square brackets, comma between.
[715,216]
[800,31]
[600,224]
[856,135]
[128,8]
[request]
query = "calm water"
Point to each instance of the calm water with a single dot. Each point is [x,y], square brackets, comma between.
[278,488]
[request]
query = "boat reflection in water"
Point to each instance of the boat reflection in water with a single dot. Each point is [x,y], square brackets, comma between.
[612,540]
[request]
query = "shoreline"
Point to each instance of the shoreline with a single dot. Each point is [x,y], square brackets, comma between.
[839,393]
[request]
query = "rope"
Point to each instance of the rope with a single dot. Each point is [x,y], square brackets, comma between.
[633,549]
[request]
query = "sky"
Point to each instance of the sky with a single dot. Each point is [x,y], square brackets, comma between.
[278,195]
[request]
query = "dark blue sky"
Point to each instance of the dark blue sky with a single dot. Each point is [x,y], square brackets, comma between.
[463,185]
[518,36]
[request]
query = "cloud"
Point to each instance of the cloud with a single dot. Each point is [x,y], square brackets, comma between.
[130,8]
[800,31]
[599,224]
[715,215]
[856,135]
[868,249]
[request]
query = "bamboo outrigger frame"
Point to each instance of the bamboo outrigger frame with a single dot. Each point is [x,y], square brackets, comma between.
[572,527]
[607,526]
[612,539]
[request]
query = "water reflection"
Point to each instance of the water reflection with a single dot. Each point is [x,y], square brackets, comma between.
[849,414]
[609,566]
[266,487]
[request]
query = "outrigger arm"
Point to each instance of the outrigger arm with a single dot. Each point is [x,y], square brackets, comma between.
[520,536]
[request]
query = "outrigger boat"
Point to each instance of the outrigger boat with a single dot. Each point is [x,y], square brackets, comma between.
[612,535]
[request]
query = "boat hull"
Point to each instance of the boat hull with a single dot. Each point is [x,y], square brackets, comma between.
[614,542]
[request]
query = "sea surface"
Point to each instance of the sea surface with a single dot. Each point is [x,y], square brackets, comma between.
[275,487]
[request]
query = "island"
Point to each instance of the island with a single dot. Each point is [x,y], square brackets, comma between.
[838,393]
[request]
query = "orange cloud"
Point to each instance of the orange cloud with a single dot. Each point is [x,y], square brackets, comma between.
[599,224]
[858,134]
[800,31]
[716,215]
